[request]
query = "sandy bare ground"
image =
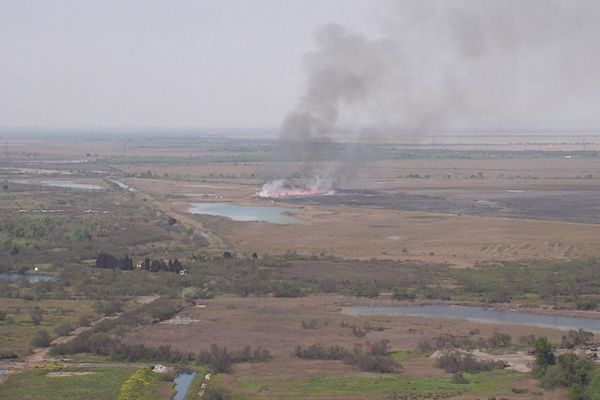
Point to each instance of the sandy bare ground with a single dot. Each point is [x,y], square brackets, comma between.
[518,361]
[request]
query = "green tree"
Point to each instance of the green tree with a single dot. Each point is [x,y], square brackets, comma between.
[576,392]
[544,355]
[190,294]
[592,391]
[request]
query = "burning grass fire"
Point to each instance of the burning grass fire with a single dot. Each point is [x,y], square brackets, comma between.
[281,188]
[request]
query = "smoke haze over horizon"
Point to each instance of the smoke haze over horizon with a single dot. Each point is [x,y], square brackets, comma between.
[395,67]
[454,65]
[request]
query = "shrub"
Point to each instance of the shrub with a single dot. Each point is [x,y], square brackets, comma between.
[528,340]
[310,324]
[454,362]
[403,294]
[586,304]
[365,290]
[459,378]
[446,342]
[221,360]
[287,290]
[41,338]
[189,294]
[136,384]
[85,320]
[499,340]
[36,315]
[27,294]
[376,359]
[7,355]
[593,389]
[63,329]
[569,370]
[317,352]
[108,307]
[215,392]
[576,338]
[544,355]
[2,315]
[360,332]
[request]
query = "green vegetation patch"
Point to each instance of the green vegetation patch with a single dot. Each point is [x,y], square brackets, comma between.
[375,385]
[144,384]
[18,327]
[46,383]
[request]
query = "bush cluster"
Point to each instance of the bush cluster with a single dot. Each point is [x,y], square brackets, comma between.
[451,342]
[576,338]
[374,359]
[218,358]
[456,362]
[221,360]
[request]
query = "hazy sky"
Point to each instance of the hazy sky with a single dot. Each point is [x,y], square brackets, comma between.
[421,65]
[98,63]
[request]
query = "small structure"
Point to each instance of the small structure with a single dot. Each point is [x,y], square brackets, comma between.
[160,369]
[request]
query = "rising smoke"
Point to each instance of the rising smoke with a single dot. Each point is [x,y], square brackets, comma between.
[455,65]
[441,66]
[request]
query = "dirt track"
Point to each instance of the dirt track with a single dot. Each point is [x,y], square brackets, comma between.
[40,354]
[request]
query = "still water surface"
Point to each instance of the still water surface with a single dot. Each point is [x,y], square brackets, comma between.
[479,314]
[182,384]
[62,183]
[277,215]
[30,277]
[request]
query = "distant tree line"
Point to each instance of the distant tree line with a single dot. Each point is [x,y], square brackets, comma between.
[105,260]
[218,358]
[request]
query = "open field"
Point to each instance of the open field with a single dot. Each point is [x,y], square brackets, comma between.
[523,214]
[278,325]
[460,207]
[289,379]
[16,335]
[94,381]
[364,233]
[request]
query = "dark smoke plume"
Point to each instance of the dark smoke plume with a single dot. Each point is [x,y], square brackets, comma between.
[441,66]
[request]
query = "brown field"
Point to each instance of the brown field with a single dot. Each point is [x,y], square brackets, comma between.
[428,209]
[435,209]
[276,324]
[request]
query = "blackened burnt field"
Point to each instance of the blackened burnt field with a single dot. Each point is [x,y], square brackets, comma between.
[579,206]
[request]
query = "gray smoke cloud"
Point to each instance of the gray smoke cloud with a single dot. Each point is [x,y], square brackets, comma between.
[454,65]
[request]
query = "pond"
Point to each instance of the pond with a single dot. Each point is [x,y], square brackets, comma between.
[63,183]
[277,215]
[31,278]
[182,384]
[479,314]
